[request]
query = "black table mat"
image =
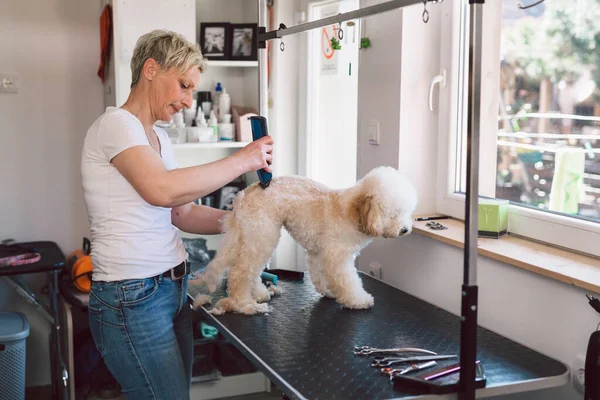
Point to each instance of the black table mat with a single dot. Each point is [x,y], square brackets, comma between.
[304,345]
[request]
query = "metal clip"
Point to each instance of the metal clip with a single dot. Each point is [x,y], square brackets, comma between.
[425,12]
[436,226]
[282,45]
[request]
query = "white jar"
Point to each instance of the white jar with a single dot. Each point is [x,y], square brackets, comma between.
[206,134]
[193,134]
[226,131]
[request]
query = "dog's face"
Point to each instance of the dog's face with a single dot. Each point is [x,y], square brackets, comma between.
[385,203]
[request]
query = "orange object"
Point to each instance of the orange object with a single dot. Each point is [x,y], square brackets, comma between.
[105,37]
[80,263]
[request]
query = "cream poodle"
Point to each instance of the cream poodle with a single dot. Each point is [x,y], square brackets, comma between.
[333,226]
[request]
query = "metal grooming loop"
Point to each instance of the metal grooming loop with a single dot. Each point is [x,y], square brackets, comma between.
[469,292]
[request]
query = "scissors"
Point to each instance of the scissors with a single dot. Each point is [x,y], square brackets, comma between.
[381,362]
[391,372]
[368,350]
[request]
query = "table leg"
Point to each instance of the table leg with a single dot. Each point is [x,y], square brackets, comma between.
[59,372]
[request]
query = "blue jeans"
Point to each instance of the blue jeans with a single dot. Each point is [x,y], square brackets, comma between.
[143,329]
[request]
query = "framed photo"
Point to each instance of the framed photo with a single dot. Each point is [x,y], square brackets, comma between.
[215,40]
[244,42]
[228,193]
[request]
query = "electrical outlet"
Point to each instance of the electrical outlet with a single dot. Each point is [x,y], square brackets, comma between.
[9,83]
[374,270]
[578,373]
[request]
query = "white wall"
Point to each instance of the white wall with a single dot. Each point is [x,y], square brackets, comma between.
[54,46]
[544,314]
[134,18]
[379,86]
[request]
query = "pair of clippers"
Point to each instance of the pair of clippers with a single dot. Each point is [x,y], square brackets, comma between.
[259,129]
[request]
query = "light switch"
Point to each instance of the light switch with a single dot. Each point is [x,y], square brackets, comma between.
[9,83]
[374,132]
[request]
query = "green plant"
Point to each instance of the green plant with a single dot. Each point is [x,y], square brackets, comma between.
[365,43]
[335,44]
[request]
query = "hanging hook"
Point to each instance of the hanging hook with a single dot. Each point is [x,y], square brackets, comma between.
[282,45]
[340,32]
[425,12]
[522,7]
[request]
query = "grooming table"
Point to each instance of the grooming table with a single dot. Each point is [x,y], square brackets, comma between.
[304,345]
[52,261]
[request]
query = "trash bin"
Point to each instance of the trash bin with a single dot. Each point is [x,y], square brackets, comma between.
[14,329]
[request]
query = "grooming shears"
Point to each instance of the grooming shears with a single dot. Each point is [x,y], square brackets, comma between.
[391,372]
[368,350]
[380,362]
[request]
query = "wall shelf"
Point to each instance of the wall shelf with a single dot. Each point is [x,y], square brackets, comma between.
[227,63]
[215,145]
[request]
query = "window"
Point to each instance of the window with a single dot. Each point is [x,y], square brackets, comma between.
[540,126]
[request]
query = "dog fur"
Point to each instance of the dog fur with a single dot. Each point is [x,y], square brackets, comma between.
[333,226]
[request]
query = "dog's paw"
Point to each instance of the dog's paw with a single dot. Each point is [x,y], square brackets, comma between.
[225,304]
[360,302]
[274,290]
[327,294]
[217,311]
[201,300]
[251,309]
[261,294]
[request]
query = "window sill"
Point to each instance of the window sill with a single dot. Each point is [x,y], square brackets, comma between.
[565,266]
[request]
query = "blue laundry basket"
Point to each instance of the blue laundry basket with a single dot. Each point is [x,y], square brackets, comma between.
[14,329]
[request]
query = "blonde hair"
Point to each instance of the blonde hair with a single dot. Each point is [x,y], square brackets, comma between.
[168,49]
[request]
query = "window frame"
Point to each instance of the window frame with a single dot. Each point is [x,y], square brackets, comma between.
[545,226]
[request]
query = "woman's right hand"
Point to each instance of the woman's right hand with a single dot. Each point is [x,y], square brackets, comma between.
[257,155]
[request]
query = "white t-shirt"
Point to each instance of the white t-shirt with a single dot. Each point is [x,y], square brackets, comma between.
[131,239]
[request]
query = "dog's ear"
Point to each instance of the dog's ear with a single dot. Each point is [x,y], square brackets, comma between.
[370,221]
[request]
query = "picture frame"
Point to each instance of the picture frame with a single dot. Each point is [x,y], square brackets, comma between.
[227,194]
[215,40]
[243,42]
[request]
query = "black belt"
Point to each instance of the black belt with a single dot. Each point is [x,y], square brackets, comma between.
[178,272]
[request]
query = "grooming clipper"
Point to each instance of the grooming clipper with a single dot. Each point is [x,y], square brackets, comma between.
[259,129]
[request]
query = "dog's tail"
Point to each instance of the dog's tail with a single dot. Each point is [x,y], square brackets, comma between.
[228,252]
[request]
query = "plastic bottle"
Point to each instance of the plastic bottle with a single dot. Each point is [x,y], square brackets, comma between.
[224,103]
[216,95]
[214,124]
[200,121]
[180,126]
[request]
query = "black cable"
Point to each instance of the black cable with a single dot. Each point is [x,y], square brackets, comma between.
[89,273]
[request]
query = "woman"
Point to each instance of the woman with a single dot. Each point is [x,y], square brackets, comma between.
[136,198]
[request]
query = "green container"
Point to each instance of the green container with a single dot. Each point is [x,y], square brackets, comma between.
[493,218]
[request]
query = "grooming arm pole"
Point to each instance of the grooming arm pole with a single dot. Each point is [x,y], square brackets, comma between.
[263,35]
[468,328]
[263,84]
